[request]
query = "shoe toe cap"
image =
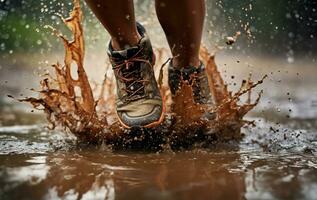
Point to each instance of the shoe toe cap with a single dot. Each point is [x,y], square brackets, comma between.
[142,116]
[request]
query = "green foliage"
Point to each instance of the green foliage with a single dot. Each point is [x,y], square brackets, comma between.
[277,26]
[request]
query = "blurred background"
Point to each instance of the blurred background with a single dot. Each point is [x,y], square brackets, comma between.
[279,28]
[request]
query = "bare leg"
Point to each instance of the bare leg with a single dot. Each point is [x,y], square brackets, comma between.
[182,22]
[117,16]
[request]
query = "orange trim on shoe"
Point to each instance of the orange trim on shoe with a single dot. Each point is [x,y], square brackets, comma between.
[154,124]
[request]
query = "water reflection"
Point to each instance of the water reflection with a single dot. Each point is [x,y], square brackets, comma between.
[91,174]
[136,176]
[100,175]
[282,176]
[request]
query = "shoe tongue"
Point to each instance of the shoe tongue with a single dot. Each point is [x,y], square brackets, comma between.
[132,71]
[188,71]
[126,53]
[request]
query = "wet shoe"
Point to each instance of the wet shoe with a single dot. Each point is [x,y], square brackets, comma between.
[139,103]
[197,78]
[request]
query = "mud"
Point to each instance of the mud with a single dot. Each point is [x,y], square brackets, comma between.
[70,103]
[35,164]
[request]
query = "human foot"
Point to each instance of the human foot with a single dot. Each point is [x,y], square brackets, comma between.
[139,103]
[197,78]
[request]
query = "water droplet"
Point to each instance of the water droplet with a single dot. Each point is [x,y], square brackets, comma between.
[290,59]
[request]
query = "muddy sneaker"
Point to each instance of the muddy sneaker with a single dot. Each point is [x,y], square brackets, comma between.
[139,103]
[196,77]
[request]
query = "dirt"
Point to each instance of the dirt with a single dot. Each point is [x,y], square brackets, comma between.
[90,156]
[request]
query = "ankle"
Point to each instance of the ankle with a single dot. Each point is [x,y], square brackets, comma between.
[179,62]
[121,43]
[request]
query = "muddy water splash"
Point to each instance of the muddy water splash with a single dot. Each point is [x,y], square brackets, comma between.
[70,104]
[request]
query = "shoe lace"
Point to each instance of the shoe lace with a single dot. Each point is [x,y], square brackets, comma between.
[129,72]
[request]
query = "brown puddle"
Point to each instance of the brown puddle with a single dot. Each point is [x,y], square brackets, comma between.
[72,104]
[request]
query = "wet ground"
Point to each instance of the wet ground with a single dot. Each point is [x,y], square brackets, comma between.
[275,160]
